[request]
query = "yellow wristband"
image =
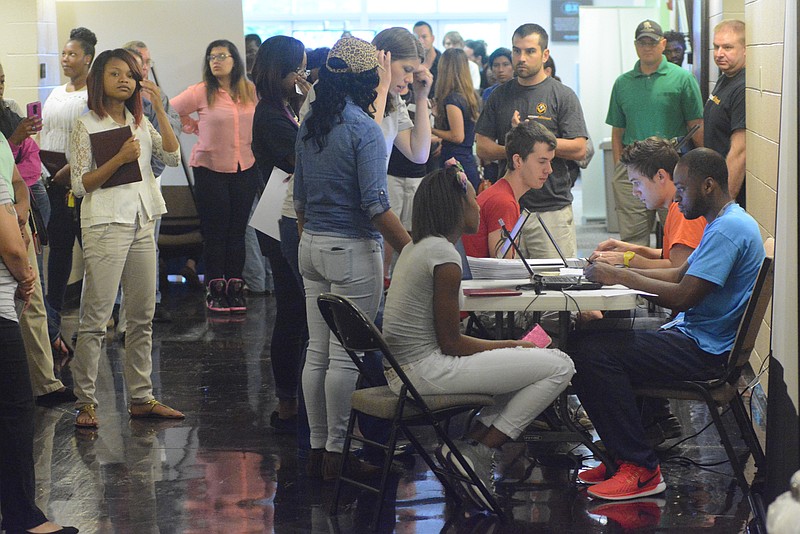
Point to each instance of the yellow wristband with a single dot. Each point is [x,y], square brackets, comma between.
[627,257]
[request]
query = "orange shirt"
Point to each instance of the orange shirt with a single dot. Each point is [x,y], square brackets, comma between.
[224,131]
[679,230]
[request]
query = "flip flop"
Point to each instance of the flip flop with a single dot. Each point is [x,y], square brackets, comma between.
[151,405]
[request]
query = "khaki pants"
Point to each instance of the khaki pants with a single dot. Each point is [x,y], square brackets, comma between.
[536,245]
[115,253]
[635,220]
[33,324]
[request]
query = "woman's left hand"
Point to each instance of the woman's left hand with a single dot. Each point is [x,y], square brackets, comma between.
[423,79]
[151,92]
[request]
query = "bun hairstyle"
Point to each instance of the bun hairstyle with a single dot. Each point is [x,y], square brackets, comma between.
[86,38]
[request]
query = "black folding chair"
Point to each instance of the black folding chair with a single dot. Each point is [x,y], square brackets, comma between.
[357,334]
[723,392]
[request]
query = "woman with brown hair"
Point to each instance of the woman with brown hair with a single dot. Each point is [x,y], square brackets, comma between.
[117,225]
[456,112]
[224,169]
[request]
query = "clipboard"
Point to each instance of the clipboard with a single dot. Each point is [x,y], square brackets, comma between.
[53,161]
[106,145]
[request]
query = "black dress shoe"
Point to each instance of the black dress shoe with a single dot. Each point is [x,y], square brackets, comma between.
[161,315]
[56,397]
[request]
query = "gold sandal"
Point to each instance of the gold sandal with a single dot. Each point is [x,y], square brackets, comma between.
[87,410]
[152,404]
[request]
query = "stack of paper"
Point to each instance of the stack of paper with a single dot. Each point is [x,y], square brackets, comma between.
[505,269]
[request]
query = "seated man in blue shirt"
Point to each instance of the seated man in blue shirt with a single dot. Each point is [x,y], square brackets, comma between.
[710,290]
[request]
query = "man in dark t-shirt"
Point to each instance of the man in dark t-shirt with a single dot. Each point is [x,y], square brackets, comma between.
[724,112]
[532,95]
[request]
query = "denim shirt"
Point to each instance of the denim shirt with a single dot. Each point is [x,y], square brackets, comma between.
[341,188]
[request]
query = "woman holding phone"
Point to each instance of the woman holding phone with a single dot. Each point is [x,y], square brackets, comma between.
[117,225]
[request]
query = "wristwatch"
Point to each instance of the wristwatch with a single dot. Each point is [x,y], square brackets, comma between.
[627,257]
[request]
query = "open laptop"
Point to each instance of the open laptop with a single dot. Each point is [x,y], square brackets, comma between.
[578,263]
[521,220]
[552,282]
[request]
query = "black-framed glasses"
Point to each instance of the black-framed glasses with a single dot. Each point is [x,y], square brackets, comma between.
[217,57]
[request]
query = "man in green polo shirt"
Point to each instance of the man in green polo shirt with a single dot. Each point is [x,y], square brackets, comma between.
[656,98]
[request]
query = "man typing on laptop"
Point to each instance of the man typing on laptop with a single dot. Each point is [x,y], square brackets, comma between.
[530,149]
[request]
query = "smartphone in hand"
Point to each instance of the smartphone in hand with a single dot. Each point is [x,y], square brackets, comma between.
[35,109]
[538,337]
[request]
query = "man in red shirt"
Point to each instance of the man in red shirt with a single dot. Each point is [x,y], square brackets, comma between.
[530,149]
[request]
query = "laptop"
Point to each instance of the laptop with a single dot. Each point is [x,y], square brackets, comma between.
[514,234]
[578,263]
[551,282]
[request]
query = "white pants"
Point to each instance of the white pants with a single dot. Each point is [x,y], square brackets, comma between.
[401,197]
[115,253]
[523,382]
[352,268]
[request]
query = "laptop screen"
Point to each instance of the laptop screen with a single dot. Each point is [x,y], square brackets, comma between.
[523,218]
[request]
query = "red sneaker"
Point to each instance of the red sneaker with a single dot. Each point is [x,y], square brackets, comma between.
[633,515]
[629,482]
[595,475]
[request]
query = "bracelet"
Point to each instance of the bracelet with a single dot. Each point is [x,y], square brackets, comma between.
[627,257]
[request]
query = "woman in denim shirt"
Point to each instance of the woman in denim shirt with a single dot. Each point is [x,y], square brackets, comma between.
[343,213]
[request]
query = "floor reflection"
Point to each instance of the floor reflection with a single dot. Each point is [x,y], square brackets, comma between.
[222,470]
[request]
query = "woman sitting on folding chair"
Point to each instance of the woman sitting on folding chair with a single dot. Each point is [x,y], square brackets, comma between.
[421,326]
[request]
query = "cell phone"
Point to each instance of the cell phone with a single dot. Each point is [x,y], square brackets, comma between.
[538,337]
[35,109]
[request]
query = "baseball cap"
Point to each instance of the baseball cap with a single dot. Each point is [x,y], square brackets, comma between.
[351,54]
[649,28]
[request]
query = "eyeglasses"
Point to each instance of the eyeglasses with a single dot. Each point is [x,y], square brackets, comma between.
[217,57]
[647,43]
[303,72]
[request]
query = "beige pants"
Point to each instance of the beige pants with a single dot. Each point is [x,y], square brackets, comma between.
[535,243]
[635,220]
[115,253]
[33,324]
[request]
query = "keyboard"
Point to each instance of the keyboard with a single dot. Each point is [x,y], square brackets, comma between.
[560,282]
[578,263]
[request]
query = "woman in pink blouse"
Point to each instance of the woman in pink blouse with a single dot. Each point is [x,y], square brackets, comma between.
[224,169]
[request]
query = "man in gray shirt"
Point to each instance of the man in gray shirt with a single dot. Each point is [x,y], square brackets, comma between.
[532,95]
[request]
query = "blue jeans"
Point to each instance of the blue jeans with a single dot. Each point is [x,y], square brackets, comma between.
[351,268]
[610,364]
[257,272]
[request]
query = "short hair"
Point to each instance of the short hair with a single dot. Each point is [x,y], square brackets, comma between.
[134,45]
[423,23]
[252,37]
[702,163]
[455,39]
[522,139]
[478,48]
[675,37]
[500,52]
[735,25]
[550,64]
[649,155]
[96,90]
[529,28]
[316,58]
[438,204]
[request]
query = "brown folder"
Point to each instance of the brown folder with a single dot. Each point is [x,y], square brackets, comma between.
[105,146]
[53,161]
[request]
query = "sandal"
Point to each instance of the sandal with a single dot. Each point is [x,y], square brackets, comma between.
[150,408]
[87,413]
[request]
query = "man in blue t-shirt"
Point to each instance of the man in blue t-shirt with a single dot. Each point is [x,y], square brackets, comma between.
[710,290]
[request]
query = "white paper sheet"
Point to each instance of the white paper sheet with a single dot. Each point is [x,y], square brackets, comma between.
[268,212]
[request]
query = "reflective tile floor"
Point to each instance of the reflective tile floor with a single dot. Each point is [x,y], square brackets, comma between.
[223,470]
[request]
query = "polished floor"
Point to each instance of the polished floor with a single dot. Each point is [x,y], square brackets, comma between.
[223,470]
